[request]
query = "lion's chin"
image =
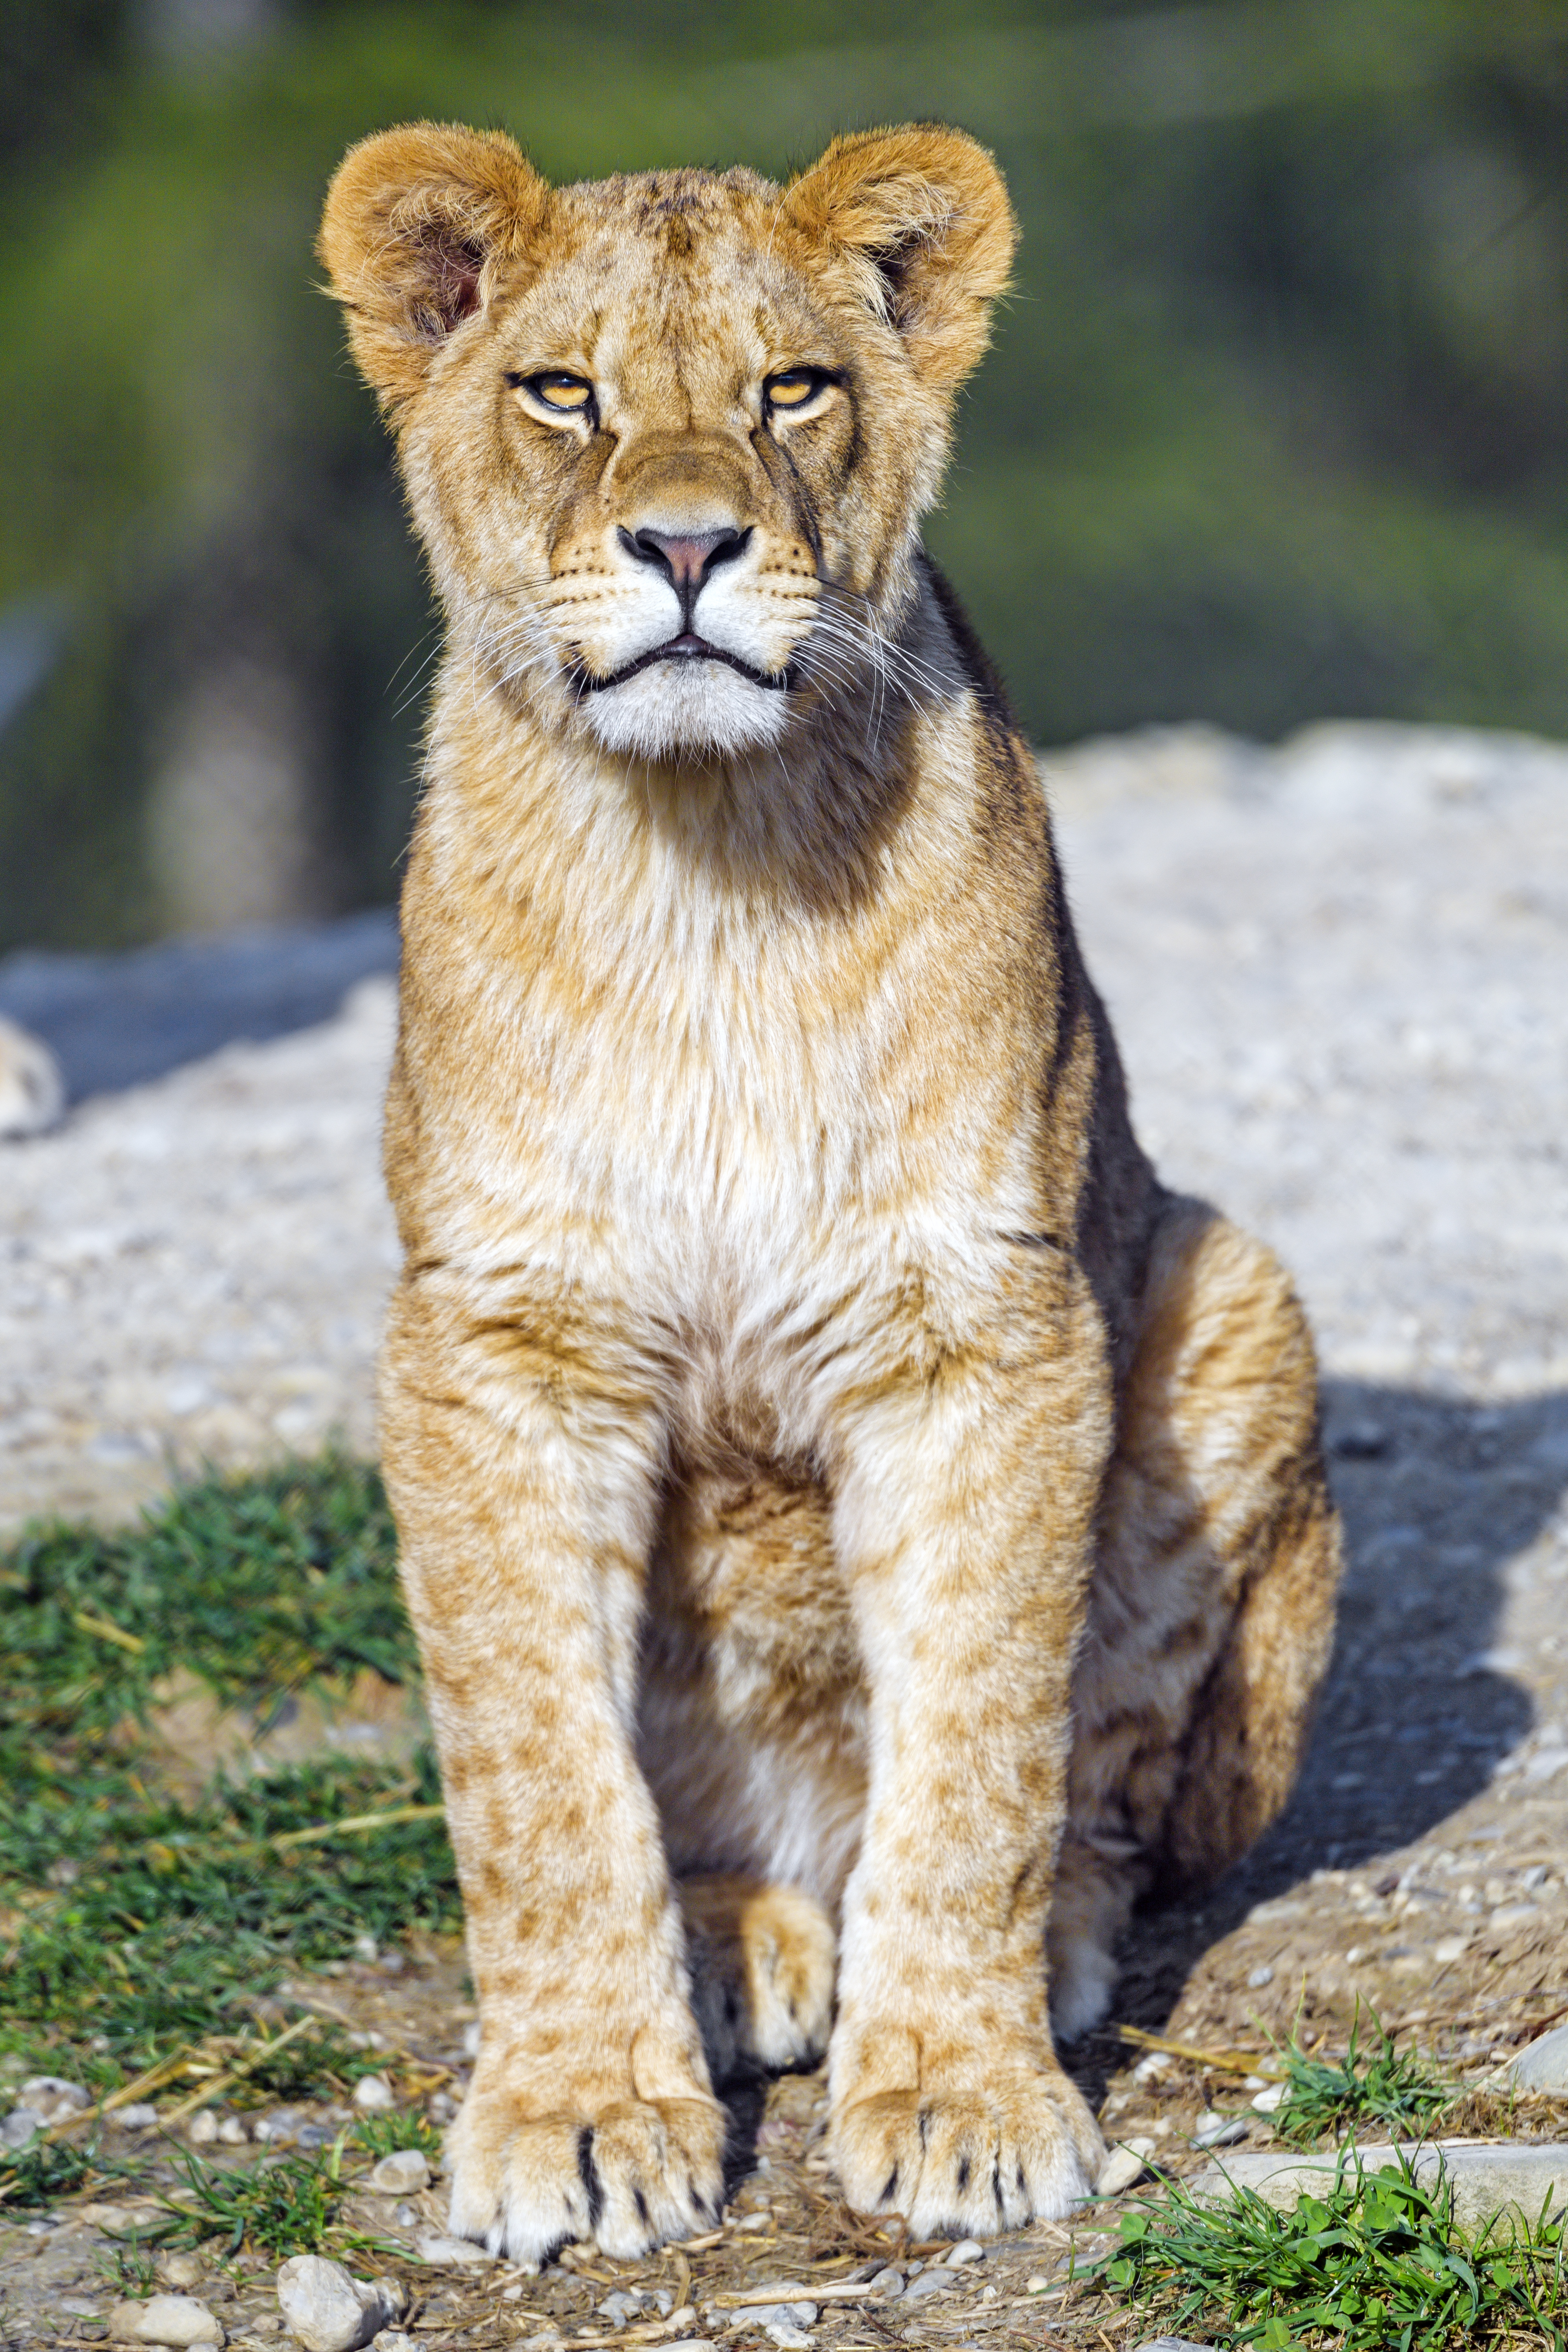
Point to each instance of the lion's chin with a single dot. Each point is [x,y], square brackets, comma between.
[685,711]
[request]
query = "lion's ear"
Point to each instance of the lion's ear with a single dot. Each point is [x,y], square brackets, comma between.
[922,219]
[416,221]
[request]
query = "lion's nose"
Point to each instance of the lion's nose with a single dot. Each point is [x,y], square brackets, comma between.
[685,557]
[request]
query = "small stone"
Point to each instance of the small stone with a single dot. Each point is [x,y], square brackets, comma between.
[1541,2065]
[402,2174]
[793,2316]
[619,2307]
[203,2128]
[1269,2102]
[328,2310]
[394,2339]
[141,2116]
[1514,1914]
[1172,2343]
[1122,2167]
[372,2094]
[889,2282]
[471,2039]
[51,2096]
[1257,1977]
[19,2127]
[938,2280]
[367,1950]
[968,2249]
[280,2129]
[233,2132]
[1449,1949]
[167,2319]
[1036,2284]
[1215,2130]
[178,2269]
[313,2136]
[439,2249]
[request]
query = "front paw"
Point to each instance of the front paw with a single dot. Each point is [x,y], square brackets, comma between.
[974,2148]
[622,2171]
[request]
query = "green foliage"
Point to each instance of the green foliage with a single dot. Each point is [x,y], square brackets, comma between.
[1375,2262]
[275,2209]
[43,2171]
[385,2134]
[1272,430]
[178,1912]
[1383,2086]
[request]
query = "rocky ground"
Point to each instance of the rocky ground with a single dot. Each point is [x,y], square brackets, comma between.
[1340,975]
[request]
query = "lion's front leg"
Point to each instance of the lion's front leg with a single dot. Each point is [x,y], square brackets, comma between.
[964,1518]
[524,1514]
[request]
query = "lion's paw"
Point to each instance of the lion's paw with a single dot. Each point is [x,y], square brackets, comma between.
[628,2177]
[971,2158]
[762,1965]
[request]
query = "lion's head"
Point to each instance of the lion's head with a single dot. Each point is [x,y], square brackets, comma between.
[668,438]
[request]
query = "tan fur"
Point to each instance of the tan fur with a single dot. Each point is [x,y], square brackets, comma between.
[821,1452]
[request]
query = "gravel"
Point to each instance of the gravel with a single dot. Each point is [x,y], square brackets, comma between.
[329,2310]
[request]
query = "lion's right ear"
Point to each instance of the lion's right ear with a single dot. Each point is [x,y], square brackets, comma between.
[415,222]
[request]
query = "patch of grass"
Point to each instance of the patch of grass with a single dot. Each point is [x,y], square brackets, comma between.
[45,2171]
[1380,2085]
[134,1923]
[385,2135]
[287,2207]
[1377,2263]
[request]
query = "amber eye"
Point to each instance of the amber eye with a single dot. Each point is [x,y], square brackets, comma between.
[554,388]
[796,388]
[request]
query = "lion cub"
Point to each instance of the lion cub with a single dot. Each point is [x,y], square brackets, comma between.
[836,1482]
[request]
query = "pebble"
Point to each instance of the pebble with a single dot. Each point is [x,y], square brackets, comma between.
[889,2282]
[437,2249]
[372,2094]
[330,2311]
[1257,1977]
[1215,2130]
[141,2116]
[203,2128]
[178,2269]
[19,2127]
[233,2132]
[938,2280]
[394,2339]
[776,2315]
[1268,2102]
[402,2174]
[1172,2343]
[968,2249]
[51,2096]
[1541,2065]
[167,2319]
[1126,2163]
[280,2129]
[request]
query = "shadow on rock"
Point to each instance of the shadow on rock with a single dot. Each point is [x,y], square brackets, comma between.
[1437,1497]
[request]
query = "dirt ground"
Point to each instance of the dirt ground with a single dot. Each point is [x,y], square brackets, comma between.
[1339,974]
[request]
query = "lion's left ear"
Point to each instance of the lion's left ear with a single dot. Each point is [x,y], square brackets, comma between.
[922,219]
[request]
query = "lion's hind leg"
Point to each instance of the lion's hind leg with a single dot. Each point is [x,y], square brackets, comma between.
[1211,1614]
[763,1961]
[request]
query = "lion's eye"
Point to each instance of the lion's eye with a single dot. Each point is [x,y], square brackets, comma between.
[554,388]
[796,387]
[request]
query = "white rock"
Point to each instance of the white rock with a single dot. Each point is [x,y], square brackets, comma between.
[203,2128]
[178,2271]
[1542,2065]
[889,2282]
[935,2281]
[140,2116]
[1269,2102]
[440,2250]
[1259,1977]
[51,2096]
[32,1095]
[402,2174]
[372,2094]
[1511,2177]
[968,2249]
[329,2311]
[1125,2163]
[19,2127]
[789,2317]
[394,2339]
[168,2319]
[1215,2130]
[234,2131]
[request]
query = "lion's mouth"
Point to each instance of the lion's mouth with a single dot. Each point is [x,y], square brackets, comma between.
[688,647]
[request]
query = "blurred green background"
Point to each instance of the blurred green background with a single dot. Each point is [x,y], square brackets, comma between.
[1273,428]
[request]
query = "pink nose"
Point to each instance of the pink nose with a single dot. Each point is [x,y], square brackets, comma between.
[687,557]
